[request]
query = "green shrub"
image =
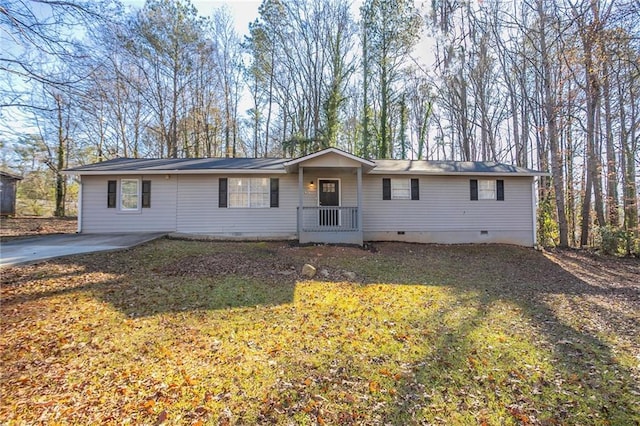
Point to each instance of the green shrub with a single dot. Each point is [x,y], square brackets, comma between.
[608,239]
[631,242]
[614,240]
[548,232]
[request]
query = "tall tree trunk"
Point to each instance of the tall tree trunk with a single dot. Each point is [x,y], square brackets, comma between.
[550,106]
[629,155]
[586,205]
[60,156]
[403,128]
[269,102]
[173,137]
[588,35]
[366,150]
[384,148]
[612,170]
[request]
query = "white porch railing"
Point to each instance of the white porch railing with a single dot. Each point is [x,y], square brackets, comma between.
[330,219]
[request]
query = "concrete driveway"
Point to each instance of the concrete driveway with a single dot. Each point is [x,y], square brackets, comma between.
[30,250]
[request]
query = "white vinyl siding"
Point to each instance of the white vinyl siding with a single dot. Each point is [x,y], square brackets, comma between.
[198,211]
[444,206]
[96,217]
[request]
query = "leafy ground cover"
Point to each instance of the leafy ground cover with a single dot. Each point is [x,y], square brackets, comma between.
[178,332]
[13,227]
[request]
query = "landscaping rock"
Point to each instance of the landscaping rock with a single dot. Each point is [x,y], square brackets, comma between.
[350,275]
[324,273]
[308,271]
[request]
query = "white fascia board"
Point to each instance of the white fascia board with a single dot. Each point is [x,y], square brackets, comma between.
[424,173]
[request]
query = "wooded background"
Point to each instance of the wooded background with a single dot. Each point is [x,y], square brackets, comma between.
[547,84]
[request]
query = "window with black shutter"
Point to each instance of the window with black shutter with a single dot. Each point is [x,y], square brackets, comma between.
[400,189]
[111,194]
[386,189]
[415,189]
[222,193]
[146,194]
[275,192]
[486,189]
[473,186]
[500,190]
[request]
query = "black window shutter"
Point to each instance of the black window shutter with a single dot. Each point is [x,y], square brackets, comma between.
[474,189]
[415,189]
[146,194]
[275,193]
[500,190]
[386,189]
[222,192]
[111,194]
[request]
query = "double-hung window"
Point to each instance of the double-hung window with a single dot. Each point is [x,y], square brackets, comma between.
[129,195]
[400,189]
[487,189]
[249,192]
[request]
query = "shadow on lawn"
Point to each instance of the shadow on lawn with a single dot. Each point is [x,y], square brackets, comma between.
[146,281]
[587,384]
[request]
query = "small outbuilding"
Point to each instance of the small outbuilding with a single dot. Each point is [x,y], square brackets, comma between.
[8,186]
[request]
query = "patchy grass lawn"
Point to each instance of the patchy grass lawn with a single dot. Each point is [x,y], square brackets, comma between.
[199,333]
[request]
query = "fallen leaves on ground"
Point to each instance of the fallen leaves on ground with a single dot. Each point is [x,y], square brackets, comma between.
[12,227]
[176,332]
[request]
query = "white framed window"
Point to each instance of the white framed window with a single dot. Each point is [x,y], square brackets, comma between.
[486,189]
[249,192]
[400,189]
[129,194]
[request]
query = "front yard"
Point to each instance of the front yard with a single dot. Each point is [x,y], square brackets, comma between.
[179,332]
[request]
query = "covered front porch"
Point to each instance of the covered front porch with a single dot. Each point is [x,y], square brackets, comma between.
[330,196]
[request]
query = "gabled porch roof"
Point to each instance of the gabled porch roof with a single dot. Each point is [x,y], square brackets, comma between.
[329,157]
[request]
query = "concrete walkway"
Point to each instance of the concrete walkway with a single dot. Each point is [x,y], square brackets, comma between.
[31,250]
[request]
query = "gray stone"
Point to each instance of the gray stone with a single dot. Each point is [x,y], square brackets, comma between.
[308,271]
[324,273]
[350,275]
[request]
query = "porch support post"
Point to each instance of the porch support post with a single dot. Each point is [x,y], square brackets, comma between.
[300,198]
[359,181]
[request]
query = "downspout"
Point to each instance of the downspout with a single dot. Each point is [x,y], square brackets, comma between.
[534,211]
[300,199]
[80,205]
[175,226]
[359,179]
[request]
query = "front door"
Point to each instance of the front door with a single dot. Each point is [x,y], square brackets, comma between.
[329,196]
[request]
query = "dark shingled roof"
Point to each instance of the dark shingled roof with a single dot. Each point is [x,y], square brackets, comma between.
[10,175]
[173,164]
[276,165]
[447,167]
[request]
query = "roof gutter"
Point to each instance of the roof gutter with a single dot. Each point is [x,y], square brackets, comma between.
[426,173]
[72,172]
